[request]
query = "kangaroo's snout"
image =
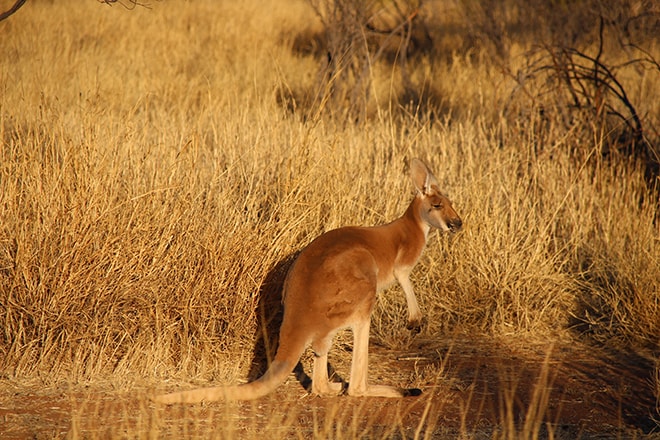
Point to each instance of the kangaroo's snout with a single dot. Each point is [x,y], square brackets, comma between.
[455,224]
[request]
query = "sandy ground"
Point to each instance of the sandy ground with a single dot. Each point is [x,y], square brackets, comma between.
[475,389]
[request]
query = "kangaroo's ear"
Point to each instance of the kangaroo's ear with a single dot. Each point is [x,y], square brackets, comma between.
[422,177]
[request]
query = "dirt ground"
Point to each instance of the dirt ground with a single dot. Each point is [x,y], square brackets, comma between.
[474,389]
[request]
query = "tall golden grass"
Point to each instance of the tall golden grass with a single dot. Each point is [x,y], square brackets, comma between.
[149,181]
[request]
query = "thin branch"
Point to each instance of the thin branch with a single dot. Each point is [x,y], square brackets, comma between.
[12,10]
[132,4]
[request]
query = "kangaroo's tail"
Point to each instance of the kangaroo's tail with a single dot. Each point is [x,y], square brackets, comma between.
[276,374]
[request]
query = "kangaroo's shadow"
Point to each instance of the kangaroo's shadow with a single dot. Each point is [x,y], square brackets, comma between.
[270,313]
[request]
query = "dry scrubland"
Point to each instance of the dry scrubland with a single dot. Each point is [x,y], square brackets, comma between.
[151,181]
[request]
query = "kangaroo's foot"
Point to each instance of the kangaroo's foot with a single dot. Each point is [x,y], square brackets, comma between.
[326,388]
[378,391]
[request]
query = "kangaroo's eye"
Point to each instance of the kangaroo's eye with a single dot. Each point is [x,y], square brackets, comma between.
[437,206]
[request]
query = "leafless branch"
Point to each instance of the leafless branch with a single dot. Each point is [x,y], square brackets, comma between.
[359,34]
[129,4]
[12,10]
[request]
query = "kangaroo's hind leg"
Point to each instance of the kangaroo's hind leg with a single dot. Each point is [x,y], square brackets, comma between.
[358,385]
[321,385]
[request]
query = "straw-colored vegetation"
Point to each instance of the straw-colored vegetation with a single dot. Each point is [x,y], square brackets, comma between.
[156,165]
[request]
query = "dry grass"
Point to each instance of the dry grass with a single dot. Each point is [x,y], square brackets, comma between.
[149,182]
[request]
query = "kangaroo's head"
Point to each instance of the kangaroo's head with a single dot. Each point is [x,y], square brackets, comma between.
[435,208]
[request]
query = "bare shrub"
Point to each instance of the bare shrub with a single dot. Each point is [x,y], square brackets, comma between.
[356,36]
[579,91]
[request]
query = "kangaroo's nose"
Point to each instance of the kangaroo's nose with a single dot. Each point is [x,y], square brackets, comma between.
[455,224]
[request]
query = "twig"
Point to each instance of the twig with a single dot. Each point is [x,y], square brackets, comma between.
[12,10]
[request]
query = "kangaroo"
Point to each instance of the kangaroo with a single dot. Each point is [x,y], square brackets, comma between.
[332,285]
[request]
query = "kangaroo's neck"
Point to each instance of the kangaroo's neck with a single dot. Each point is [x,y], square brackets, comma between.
[408,235]
[412,218]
